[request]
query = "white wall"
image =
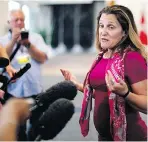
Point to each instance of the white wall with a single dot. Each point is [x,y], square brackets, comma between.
[3,17]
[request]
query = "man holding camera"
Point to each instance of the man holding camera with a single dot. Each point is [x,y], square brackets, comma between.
[32,49]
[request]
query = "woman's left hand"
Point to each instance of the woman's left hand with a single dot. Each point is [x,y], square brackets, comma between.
[119,87]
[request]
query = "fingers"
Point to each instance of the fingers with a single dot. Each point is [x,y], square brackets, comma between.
[10,70]
[111,78]
[16,34]
[10,74]
[107,79]
[66,74]
[62,71]
[119,87]
[110,81]
[121,81]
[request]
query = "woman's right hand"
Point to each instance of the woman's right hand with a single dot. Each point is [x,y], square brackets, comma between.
[70,77]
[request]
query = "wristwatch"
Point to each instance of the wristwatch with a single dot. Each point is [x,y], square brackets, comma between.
[28,45]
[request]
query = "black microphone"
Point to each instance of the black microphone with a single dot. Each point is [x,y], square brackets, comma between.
[5,81]
[3,62]
[21,72]
[64,89]
[52,121]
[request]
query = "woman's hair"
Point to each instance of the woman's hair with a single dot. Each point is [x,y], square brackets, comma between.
[126,19]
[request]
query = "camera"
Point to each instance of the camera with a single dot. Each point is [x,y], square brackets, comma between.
[24,35]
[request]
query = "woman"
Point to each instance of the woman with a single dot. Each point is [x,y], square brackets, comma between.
[117,79]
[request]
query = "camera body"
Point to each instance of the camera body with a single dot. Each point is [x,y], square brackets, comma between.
[24,35]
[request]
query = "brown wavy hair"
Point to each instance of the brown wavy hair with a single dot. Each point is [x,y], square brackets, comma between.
[126,19]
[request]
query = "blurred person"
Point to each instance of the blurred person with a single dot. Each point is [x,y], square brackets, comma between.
[32,49]
[9,68]
[117,79]
[11,116]
[3,52]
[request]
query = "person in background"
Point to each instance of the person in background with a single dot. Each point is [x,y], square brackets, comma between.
[32,49]
[9,69]
[117,79]
[11,116]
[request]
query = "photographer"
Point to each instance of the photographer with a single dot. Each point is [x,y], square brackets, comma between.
[32,49]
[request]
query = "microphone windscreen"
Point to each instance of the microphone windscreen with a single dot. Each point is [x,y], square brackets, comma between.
[64,89]
[53,120]
[3,62]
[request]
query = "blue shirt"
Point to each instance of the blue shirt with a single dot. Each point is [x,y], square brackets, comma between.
[30,83]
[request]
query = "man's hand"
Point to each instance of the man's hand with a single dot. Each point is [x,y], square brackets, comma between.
[15,110]
[16,33]
[10,70]
[13,113]
[25,42]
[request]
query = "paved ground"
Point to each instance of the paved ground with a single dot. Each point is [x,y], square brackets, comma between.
[79,65]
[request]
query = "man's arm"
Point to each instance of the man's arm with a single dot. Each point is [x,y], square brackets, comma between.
[15,36]
[37,54]
[3,52]
[11,117]
[36,48]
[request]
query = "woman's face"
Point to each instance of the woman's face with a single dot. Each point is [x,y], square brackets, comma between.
[110,31]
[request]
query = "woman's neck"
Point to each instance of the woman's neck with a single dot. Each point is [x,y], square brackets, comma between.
[108,54]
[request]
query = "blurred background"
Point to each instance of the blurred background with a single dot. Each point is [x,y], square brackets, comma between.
[68,24]
[68,27]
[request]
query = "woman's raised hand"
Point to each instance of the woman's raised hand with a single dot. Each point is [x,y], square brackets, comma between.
[70,77]
[119,87]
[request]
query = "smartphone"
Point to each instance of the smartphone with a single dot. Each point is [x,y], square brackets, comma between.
[24,35]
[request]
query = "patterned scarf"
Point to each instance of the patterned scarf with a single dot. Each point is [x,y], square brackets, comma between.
[87,100]
[116,103]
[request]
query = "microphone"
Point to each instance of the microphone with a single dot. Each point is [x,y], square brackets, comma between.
[64,89]
[3,62]
[52,121]
[5,81]
[21,72]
